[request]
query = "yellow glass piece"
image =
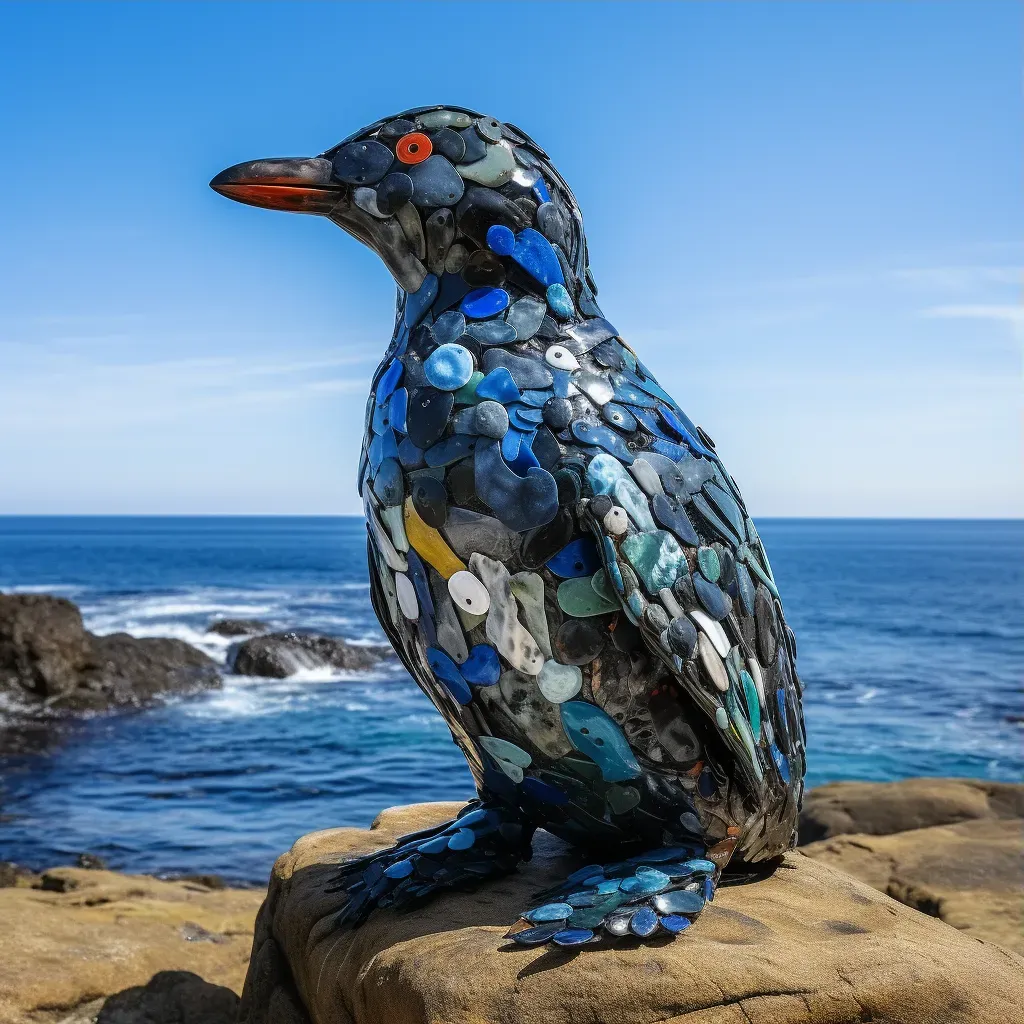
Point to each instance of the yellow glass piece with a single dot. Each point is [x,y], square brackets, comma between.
[429,544]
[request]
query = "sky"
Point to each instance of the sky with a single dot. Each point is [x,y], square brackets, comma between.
[806,218]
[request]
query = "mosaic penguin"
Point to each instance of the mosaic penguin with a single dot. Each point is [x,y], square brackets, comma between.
[557,553]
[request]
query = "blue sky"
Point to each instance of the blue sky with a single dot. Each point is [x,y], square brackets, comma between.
[807,218]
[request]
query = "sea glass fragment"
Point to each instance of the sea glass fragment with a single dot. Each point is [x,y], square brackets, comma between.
[577,597]
[558,682]
[468,593]
[595,734]
[484,302]
[578,558]
[503,628]
[482,667]
[429,544]
[657,558]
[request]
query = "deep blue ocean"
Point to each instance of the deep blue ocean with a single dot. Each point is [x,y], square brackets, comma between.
[911,644]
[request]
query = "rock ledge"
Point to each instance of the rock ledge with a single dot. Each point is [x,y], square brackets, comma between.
[809,944]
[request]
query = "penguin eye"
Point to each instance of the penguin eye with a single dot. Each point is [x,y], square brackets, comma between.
[413,148]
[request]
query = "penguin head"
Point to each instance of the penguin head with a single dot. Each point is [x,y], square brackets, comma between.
[440,191]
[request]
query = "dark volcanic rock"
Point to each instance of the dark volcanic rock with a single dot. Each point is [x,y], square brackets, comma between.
[279,655]
[171,997]
[238,627]
[49,660]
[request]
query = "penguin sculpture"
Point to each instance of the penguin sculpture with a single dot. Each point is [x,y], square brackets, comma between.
[556,552]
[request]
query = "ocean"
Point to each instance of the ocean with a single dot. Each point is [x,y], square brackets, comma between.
[910,633]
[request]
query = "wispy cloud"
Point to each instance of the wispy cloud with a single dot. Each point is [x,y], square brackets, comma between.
[959,279]
[1002,313]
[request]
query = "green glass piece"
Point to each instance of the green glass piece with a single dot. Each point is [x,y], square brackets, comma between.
[579,598]
[466,395]
[710,565]
[602,586]
[657,558]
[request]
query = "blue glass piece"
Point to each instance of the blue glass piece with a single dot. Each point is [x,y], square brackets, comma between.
[510,444]
[562,380]
[559,301]
[577,558]
[482,667]
[675,924]
[700,503]
[619,416]
[595,734]
[572,937]
[449,327]
[498,386]
[644,922]
[409,454]
[548,912]
[473,818]
[673,451]
[781,761]
[536,399]
[481,303]
[492,332]
[608,886]
[389,444]
[375,452]
[398,410]
[678,427]
[537,936]
[584,874]
[525,459]
[603,437]
[525,418]
[400,869]
[629,395]
[715,602]
[533,252]
[388,381]
[701,866]
[663,854]
[651,424]
[435,845]
[709,890]
[645,883]
[501,239]
[540,190]
[381,418]
[726,504]
[448,367]
[462,840]
[543,791]
[419,301]
[680,901]
[752,702]
[520,502]
[450,450]
[526,372]
[448,672]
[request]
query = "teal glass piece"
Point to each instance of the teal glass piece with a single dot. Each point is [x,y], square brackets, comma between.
[559,301]
[701,866]
[710,565]
[466,395]
[595,734]
[657,558]
[549,912]
[643,883]
[606,475]
[578,598]
[682,901]
[726,504]
[753,704]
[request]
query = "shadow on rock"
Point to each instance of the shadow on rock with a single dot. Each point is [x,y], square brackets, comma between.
[171,997]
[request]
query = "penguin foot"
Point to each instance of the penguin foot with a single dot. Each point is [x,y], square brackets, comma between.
[657,893]
[484,841]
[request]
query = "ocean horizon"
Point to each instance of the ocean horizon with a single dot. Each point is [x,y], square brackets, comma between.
[910,641]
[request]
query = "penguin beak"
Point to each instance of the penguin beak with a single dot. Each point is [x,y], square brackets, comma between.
[293,184]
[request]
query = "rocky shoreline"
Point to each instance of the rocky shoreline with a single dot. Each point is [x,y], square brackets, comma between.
[942,857]
[53,669]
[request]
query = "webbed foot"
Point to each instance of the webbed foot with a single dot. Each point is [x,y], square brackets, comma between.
[656,893]
[484,841]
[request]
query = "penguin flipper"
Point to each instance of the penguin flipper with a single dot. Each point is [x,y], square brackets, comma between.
[484,841]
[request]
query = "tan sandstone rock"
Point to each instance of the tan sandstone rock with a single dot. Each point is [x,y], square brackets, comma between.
[809,944]
[951,848]
[106,932]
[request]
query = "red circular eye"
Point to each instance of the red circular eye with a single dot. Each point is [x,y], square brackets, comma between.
[413,148]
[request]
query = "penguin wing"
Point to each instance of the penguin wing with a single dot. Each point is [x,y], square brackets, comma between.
[688,568]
